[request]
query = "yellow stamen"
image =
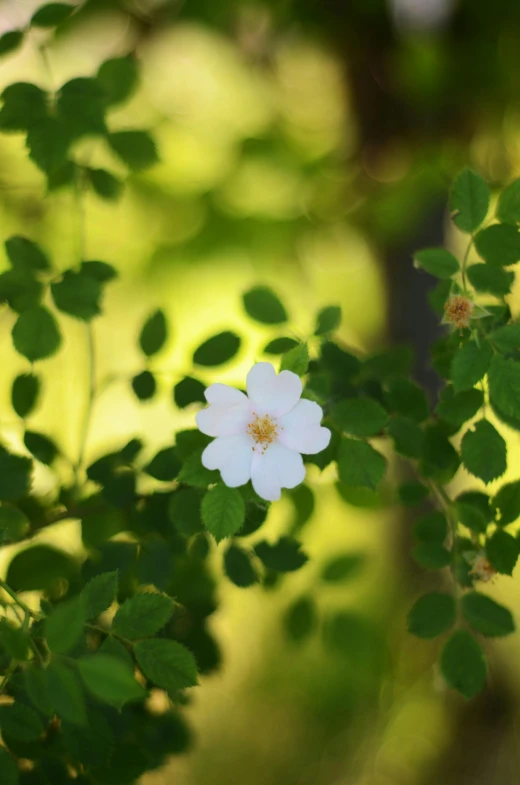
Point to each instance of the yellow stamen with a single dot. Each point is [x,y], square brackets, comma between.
[263,430]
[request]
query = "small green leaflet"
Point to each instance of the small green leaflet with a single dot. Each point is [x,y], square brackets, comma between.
[484,452]
[507,503]
[283,556]
[223,511]
[64,627]
[296,360]
[239,567]
[508,207]
[52,14]
[100,593]
[217,350]
[343,568]
[153,333]
[432,527]
[300,619]
[360,416]
[8,43]
[136,149]
[263,305]
[486,616]
[502,550]
[431,555]
[36,334]
[494,280]
[26,255]
[469,200]
[499,245]
[470,364]
[506,339]
[431,615]
[463,664]
[359,465]
[504,385]
[144,385]
[167,664]
[438,262]
[20,722]
[328,320]
[110,679]
[24,393]
[142,615]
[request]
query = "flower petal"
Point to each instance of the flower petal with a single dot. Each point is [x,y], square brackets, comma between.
[276,468]
[272,394]
[300,428]
[217,420]
[223,395]
[232,455]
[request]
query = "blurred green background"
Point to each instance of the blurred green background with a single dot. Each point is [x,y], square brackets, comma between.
[308,145]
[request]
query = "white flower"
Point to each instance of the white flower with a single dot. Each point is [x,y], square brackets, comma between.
[260,435]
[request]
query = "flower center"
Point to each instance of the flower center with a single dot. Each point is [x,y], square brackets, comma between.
[263,430]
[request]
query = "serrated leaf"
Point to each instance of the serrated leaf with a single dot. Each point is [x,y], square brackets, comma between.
[20,290]
[64,627]
[48,143]
[507,503]
[506,339]
[10,41]
[36,334]
[458,408]
[52,14]
[494,280]
[81,106]
[296,360]
[100,593]
[36,685]
[24,393]
[118,78]
[463,664]
[77,294]
[144,386]
[239,568]
[26,255]
[405,397]
[359,416]
[136,149]
[486,616]
[20,722]
[142,615]
[285,555]
[499,245]
[153,334]
[65,693]
[165,465]
[470,364]
[484,452]
[105,184]
[15,476]
[188,391]
[223,511]
[328,320]
[24,105]
[504,385]
[110,679]
[167,664]
[217,350]
[14,640]
[469,200]
[471,517]
[407,436]
[263,305]
[359,465]
[438,262]
[508,207]
[432,527]
[194,473]
[41,447]
[431,615]
[431,555]
[502,550]
[100,271]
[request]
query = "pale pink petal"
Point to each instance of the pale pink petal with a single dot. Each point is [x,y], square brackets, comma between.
[223,395]
[300,428]
[224,420]
[232,456]
[276,468]
[272,394]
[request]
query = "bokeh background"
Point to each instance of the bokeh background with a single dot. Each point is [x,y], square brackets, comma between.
[308,145]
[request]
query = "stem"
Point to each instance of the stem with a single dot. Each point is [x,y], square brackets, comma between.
[464,263]
[90,402]
[447,505]
[97,628]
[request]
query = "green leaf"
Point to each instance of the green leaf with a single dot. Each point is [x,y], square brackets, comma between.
[99,593]
[499,245]
[463,664]
[506,339]
[64,627]
[39,568]
[52,14]
[504,385]
[77,294]
[118,77]
[167,664]
[20,722]
[438,262]
[164,466]
[502,551]
[20,290]
[114,648]
[300,619]
[359,465]
[65,693]
[470,364]
[10,41]
[100,271]
[81,106]
[328,320]
[412,493]
[405,397]
[14,524]
[36,686]
[136,149]
[479,501]
[359,416]
[395,361]
[343,568]
[184,511]
[142,615]
[469,200]
[432,527]
[14,640]
[484,452]
[486,616]
[24,393]
[431,615]
[283,556]
[25,105]
[239,568]
[43,448]
[110,679]
[26,255]
[280,345]
[15,476]
[472,517]
[507,503]
[48,144]
[508,207]
[407,436]
[187,391]
[262,304]
[217,350]
[223,511]
[494,280]
[36,334]
[9,772]
[144,386]
[457,408]
[194,473]
[105,184]
[296,360]
[153,334]
[431,555]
